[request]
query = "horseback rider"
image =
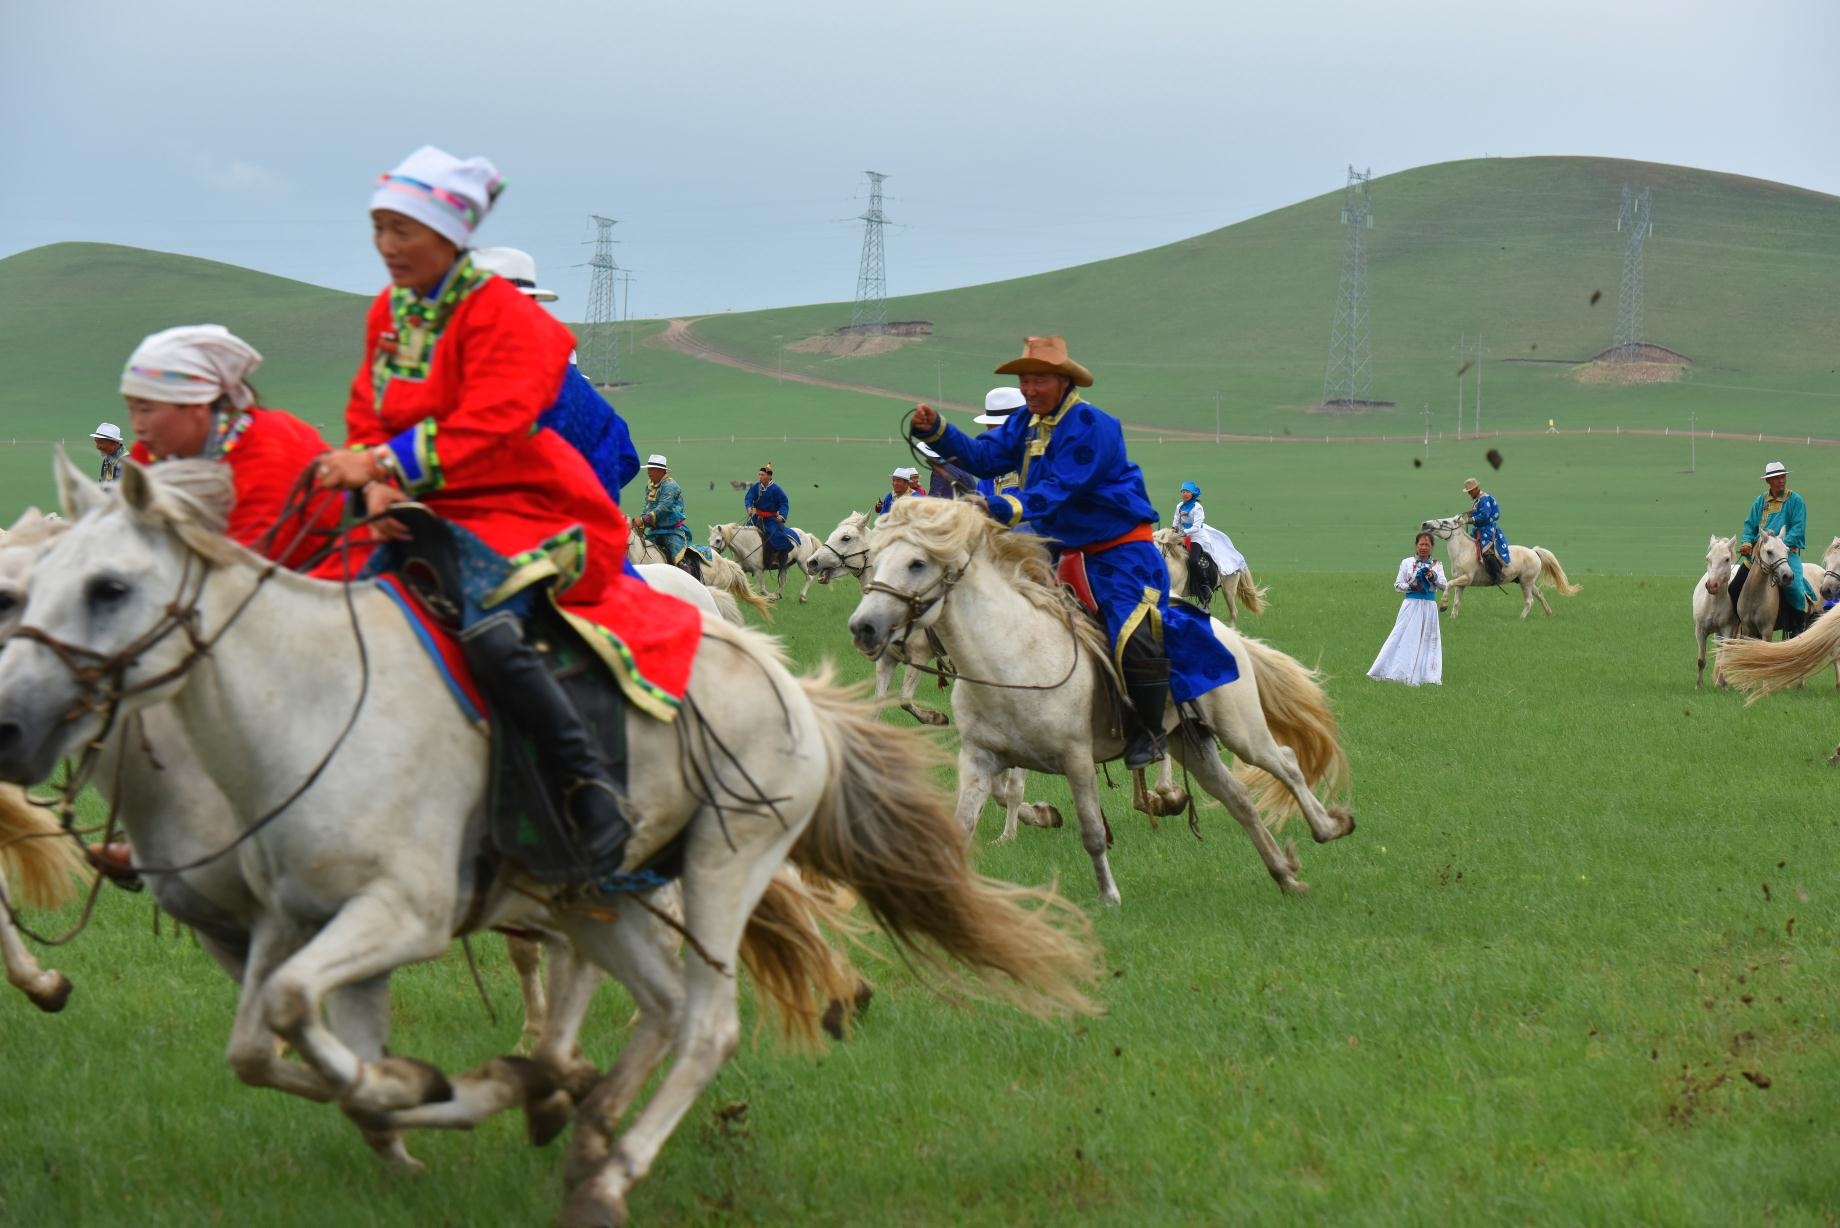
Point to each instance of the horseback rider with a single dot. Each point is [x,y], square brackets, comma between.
[189,395]
[1484,517]
[458,367]
[1781,511]
[904,483]
[999,404]
[1081,491]
[109,446]
[580,414]
[1211,555]
[661,519]
[767,508]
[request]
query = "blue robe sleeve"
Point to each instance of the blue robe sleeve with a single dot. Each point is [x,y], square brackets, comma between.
[1082,457]
[1486,512]
[1795,522]
[1753,521]
[992,454]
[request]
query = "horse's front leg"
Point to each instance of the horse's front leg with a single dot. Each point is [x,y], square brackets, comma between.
[810,577]
[916,656]
[977,772]
[1703,633]
[372,934]
[46,988]
[527,958]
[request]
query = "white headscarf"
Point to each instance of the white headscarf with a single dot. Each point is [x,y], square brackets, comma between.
[193,364]
[447,194]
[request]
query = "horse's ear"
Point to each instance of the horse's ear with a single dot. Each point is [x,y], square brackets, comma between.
[28,518]
[137,489]
[77,495]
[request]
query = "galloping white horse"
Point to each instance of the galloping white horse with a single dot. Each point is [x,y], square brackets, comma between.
[744,542]
[1236,588]
[1034,676]
[848,549]
[1531,565]
[722,575]
[368,865]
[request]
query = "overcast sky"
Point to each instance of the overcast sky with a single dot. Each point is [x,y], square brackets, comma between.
[730,137]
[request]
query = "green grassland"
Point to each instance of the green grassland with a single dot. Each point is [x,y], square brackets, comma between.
[1527,989]
[1583,901]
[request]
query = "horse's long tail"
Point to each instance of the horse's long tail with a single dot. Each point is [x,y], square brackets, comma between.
[1297,711]
[1553,574]
[44,864]
[1759,666]
[883,829]
[796,971]
[734,582]
[727,606]
[1250,595]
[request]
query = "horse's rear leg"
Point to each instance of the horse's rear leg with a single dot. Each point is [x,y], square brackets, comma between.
[721,889]
[810,576]
[1534,594]
[1093,834]
[46,988]
[1211,774]
[527,958]
[1248,737]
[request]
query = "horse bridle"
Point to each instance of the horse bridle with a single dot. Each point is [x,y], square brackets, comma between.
[922,602]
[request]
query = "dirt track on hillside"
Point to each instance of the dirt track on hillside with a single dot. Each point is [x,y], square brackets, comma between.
[677,336]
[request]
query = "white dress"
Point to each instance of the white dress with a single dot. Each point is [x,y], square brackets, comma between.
[1413,654]
[1193,524]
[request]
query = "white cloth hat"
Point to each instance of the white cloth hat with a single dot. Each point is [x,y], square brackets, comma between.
[999,404]
[448,194]
[900,471]
[656,461]
[1775,469]
[193,364]
[108,430]
[515,266]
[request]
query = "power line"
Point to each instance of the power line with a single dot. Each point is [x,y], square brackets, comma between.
[600,348]
[870,315]
[1636,223]
[1350,377]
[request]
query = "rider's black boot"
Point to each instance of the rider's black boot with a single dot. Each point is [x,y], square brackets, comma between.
[1146,683]
[520,688]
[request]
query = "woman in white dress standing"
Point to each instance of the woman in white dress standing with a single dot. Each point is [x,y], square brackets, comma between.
[1413,653]
[1199,536]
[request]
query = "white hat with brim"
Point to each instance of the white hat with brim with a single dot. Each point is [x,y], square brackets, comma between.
[108,431]
[1775,469]
[656,461]
[999,404]
[516,266]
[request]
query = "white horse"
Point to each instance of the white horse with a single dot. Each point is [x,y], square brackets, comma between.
[848,549]
[1035,677]
[722,575]
[1829,585]
[1237,588]
[744,542]
[1530,565]
[1713,614]
[371,788]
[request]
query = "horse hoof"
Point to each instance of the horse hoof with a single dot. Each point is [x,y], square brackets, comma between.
[52,1000]
[1175,799]
[929,716]
[546,1119]
[1008,837]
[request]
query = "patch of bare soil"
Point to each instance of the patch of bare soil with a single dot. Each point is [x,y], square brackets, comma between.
[1348,409]
[851,346]
[1634,364]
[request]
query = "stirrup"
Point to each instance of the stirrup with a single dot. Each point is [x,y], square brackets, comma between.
[1145,749]
[628,884]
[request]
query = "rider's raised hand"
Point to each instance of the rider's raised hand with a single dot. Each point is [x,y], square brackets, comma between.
[926,418]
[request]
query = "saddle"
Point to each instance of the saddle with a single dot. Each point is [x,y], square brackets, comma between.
[526,818]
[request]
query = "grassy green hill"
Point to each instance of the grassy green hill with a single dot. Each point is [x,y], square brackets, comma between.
[1739,277]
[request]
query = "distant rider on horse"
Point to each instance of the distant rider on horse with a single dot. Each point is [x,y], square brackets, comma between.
[1081,491]
[1782,512]
[1485,518]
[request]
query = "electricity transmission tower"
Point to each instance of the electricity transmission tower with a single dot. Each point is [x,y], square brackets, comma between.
[600,349]
[1636,223]
[870,314]
[1350,377]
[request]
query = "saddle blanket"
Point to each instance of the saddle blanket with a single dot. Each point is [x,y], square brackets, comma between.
[441,645]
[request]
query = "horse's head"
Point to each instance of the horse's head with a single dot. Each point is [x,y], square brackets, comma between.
[112,614]
[846,549]
[1830,580]
[1718,563]
[1772,559]
[922,548]
[1443,527]
[718,537]
[29,538]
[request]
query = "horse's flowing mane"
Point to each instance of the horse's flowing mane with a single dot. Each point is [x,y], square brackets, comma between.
[194,497]
[946,529]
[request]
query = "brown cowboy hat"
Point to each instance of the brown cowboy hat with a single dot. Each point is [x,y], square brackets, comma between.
[1471,484]
[1047,356]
